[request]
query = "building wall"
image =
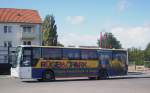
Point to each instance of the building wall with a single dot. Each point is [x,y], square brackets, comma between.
[15,36]
[37,32]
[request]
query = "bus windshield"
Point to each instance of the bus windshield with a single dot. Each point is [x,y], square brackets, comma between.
[18,57]
[26,57]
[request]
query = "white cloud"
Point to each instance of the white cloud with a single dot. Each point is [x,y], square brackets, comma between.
[75,19]
[78,39]
[122,5]
[132,36]
[138,37]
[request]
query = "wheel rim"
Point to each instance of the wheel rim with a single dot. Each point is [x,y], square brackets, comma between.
[103,74]
[48,76]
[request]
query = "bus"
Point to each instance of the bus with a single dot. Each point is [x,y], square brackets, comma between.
[45,63]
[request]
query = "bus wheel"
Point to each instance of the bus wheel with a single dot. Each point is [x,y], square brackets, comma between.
[48,76]
[103,74]
[92,78]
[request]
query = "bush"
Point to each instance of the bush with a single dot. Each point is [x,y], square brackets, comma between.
[136,63]
[140,63]
[147,64]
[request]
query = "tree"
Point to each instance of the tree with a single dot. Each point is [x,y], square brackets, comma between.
[136,56]
[49,30]
[109,41]
[147,53]
[59,44]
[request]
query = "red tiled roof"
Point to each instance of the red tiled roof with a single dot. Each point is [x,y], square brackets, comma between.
[13,15]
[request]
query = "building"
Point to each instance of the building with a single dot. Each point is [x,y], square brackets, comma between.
[19,27]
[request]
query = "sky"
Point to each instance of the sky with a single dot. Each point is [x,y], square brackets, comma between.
[80,22]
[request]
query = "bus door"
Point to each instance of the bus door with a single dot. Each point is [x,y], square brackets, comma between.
[25,63]
[105,58]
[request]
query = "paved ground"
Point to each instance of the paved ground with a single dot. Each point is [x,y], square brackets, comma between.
[133,83]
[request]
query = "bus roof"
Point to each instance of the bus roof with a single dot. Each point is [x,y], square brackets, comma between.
[71,47]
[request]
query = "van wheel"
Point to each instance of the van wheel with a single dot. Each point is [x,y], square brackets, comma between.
[48,76]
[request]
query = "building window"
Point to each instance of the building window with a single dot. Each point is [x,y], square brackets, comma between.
[27,29]
[5,59]
[7,29]
[29,42]
[26,42]
[7,43]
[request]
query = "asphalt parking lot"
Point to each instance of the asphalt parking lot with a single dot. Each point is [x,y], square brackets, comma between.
[133,83]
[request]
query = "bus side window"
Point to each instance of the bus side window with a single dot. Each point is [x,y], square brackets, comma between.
[51,53]
[120,57]
[36,54]
[71,54]
[89,54]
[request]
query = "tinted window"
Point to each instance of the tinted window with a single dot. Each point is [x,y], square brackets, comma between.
[36,53]
[26,57]
[105,57]
[71,54]
[89,54]
[120,56]
[51,53]
[27,52]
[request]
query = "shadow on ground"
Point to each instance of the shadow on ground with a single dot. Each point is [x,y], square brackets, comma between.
[135,73]
[131,75]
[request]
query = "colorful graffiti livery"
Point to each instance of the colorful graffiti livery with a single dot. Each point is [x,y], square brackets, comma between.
[63,64]
[66,64]
[50,62]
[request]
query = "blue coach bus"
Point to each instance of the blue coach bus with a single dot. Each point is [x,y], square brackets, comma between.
[49,62]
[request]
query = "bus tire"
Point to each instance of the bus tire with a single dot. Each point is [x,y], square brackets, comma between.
[40,80]
[92,78]
[103,74]
[48,76]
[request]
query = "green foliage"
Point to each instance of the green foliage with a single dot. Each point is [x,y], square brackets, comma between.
[147,64]
[59,44]
[147,53]
[136,55]
[49,30]
[109,41]
[139,57]
[136,63]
